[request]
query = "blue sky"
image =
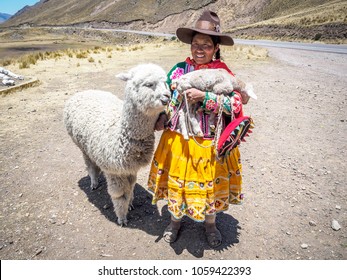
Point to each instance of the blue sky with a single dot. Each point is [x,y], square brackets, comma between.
[13,6]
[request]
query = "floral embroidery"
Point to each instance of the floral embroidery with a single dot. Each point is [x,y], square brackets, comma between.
[211,105]
[177,73]
[237,105]
[190,185]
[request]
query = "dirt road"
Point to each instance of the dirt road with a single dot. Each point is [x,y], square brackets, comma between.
[294,166]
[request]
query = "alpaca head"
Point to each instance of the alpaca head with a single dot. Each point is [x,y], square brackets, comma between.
[146,88]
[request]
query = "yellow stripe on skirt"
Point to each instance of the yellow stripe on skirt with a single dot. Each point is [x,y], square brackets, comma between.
[193,181]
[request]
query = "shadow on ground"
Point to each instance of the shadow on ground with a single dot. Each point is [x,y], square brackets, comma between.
[146,217]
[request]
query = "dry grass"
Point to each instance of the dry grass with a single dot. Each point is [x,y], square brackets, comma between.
[31,59]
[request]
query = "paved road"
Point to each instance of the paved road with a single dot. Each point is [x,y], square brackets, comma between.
[317,47]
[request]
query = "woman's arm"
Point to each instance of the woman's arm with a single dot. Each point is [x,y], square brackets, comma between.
[231,103]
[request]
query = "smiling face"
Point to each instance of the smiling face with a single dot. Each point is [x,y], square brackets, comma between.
[202,48]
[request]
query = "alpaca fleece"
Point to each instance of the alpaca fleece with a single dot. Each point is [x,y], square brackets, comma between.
[116,137]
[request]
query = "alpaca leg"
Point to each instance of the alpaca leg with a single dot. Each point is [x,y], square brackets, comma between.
[93,172]
[132,181]
[120,191]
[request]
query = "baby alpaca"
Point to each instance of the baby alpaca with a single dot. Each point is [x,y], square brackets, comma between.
[218,81]
[117,137]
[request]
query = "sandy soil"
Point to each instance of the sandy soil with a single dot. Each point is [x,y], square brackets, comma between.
[294,166]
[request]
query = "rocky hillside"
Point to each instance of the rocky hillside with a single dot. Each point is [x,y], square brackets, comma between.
[64,12]
[303,19]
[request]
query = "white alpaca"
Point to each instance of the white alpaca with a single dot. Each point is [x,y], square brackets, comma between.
[218,81]
[117,137]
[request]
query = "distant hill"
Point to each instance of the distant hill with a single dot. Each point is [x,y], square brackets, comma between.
[296,18]
[4,17]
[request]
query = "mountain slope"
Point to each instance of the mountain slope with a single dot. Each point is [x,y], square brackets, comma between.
[4,17]
[63,12]
[299,19]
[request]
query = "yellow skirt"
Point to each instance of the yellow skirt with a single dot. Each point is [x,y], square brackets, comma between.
[190,177]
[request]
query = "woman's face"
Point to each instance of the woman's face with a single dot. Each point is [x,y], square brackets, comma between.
[202,48]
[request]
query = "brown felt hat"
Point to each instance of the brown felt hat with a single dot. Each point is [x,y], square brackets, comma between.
[208,23]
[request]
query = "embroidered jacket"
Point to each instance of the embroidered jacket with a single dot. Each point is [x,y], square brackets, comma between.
[204,113]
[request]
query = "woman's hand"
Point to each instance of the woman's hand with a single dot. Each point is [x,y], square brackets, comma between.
[194,95]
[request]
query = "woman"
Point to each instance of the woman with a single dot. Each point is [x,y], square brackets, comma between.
[187,173]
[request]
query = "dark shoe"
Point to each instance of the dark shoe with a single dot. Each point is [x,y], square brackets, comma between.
[214,238]
[170,234]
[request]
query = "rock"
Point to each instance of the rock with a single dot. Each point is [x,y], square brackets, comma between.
[38,251]
[304,246]
[312,223]
[335,225]
[338,207]
[106,255]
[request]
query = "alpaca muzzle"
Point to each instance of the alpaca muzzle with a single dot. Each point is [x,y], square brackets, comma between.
[165,98]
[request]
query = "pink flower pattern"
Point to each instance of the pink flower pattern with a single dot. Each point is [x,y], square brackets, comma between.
[177,73]
[211,105]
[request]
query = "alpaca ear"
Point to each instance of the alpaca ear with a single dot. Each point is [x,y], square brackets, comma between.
[124,76]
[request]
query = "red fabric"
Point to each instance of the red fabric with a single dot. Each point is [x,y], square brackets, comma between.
[228,141]
[237,105]
[214,64]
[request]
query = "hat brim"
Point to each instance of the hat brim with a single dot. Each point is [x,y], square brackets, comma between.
[185,35]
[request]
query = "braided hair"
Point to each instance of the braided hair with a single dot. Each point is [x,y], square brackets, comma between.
[216,40]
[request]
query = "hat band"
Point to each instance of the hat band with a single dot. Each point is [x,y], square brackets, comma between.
[207,25]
